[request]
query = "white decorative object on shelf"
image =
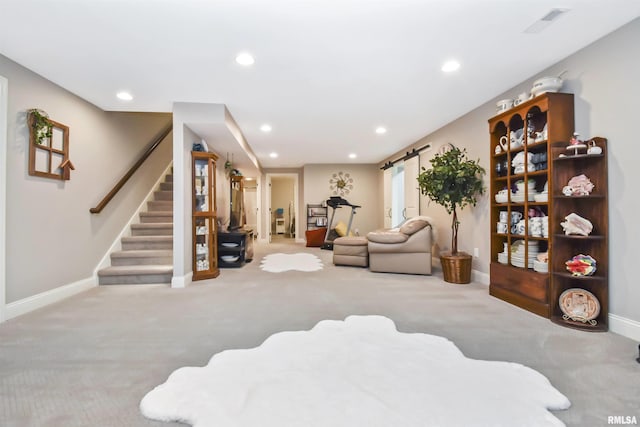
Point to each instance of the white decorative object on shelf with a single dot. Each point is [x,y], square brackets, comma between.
[546,84]
[579,185]
[575,224]
[594,149]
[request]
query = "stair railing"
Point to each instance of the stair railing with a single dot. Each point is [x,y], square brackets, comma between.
[150,149]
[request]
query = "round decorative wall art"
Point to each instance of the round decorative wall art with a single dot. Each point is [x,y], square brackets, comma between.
[340,184]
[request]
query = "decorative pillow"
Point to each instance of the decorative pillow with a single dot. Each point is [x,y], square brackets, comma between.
[341,229]
[411,227]
[315,238]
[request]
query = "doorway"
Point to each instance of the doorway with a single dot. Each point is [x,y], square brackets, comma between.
[401,192]
[281,213]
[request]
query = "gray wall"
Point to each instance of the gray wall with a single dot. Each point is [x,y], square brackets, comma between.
[52,240]
[366,193]
[604,79]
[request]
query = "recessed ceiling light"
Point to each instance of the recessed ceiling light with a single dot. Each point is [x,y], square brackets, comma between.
[273,155]
[245,59]
[450,66]
[353,155]
[124,96]
[380,130]
[265,128]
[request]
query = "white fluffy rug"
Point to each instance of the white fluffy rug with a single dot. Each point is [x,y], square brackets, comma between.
[357,372]
[277,263]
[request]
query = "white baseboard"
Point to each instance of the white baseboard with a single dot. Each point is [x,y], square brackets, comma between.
[34,302]
[625,327]
[480,277]
[182,281]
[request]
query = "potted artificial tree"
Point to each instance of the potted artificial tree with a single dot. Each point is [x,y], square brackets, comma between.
[453,181]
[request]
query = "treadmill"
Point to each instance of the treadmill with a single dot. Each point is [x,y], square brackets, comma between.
[335,203]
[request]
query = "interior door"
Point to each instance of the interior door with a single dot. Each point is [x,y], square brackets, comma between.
[411,189]
[387,189]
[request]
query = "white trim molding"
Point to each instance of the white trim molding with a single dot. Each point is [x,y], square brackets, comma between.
[182,281]
[43,299]
[480,277]
[625,327]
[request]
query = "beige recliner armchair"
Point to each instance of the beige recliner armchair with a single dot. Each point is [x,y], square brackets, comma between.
[406,249]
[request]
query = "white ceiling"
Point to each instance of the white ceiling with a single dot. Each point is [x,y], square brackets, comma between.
[327,72]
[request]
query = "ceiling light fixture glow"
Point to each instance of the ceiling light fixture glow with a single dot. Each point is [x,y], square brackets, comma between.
[245,59]
[265,128]
[273,155]
[124,96]
[353,155]
[450,66]
[381,130]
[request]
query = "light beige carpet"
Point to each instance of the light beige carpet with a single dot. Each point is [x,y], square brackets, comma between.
[89,360]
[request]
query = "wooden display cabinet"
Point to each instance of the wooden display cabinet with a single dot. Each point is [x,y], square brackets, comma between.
[593,207]
[204,216]
[544,119]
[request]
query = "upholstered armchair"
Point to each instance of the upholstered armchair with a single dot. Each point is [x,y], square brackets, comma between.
[406,249]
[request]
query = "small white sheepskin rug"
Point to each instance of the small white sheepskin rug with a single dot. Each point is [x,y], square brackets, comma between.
[277,263]
[356,372]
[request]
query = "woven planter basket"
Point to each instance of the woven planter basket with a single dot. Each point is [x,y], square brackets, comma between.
[456,268]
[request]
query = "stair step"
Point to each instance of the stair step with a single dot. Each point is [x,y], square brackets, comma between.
[147,242]
[156,216]
[142,257]
[134,275]
[152,229]
[160,205]
[169,178]
[166,186]
[163,195]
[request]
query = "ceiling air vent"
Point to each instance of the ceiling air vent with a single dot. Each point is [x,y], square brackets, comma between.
[544,22]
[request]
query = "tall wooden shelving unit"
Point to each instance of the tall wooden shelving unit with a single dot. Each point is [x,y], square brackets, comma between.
[593,207]
[523,286]
[204,216]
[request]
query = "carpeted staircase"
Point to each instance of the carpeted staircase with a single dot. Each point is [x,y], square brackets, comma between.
[146,255]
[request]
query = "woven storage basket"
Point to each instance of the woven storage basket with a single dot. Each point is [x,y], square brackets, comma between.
[456,268]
